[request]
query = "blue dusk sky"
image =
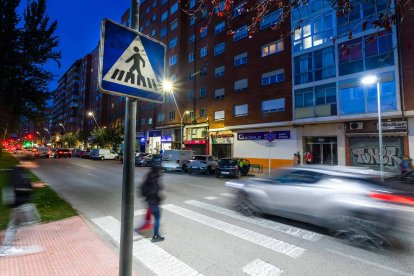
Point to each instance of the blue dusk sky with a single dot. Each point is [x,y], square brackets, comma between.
[79,23]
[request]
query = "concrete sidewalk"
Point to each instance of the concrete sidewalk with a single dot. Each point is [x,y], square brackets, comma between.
[70,248]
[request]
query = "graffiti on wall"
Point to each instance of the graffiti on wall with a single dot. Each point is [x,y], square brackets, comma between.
[364,156]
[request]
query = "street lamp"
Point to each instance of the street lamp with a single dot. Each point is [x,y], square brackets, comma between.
[181,133]
[90,113]
[369,80]
[63,127]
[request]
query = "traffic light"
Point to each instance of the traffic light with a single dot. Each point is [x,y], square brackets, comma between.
[29,137]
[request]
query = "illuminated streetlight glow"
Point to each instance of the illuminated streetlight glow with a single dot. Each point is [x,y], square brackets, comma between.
[90,113]
[167,86]
[368,80]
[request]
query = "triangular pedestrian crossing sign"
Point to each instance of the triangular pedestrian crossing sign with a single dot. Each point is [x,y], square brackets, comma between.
[133,69]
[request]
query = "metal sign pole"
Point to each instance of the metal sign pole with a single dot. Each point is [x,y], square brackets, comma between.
[127,215]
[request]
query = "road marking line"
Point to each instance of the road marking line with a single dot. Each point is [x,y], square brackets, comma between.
[260,268]
[228,195]
[370,263]
[92,175]
[290,230]
[248,235]
[152,256]
[140,212]
[210,198]
[209,188]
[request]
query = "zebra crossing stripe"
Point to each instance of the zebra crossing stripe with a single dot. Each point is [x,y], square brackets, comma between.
[152,256]
[228,195]
[245,234]
[210,198]
[260,268]
[293,231]
[140,212]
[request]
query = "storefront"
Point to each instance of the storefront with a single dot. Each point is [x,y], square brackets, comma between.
[320,150]
[222,144]
[196,138]
[166,143]
[197,146]
[154,141]
[363,143]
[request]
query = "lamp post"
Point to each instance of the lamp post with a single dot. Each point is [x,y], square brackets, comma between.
[63,127]
[90,113]
[181,132]
[50,136]
[368,80]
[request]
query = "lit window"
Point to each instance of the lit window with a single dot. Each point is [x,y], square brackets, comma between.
[272,48]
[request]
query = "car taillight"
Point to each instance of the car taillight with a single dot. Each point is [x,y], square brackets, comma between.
[393,198]
[48,152]
[60,151]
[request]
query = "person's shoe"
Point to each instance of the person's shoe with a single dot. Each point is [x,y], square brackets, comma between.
[157,238]
[19,251]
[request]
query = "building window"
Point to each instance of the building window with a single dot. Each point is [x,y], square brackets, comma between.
[191,57]
[203,71]
[204,13]
[270,19]
[203,112]
[275,105]
[219,115]
[172,43]
[174,8]
[192,20]
[171,115]
[173,60]
[163,2]
[191,94]
[313,32]
[192,4]
[370,52]
[147,10]
[203,52]
[240,85]
[203,92]
[219,93]
[143,120]
[154,18]
[160,117]
[272,48]
[273,77]
[163,32]
[174,25]
[149,121]
[203,32]
[239,9]
[219,28]
[164,16]
[219,48]
[240,33]
[240,110]
[154,3]
[220,7]
[219,71]
[315,66]
[147,23]
[316,101]
[240,59]
[192,38]
[153,32]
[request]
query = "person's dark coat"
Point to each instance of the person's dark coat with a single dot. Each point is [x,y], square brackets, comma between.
[151,188]
[22,186]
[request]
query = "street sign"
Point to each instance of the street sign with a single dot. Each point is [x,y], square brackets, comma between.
[270,144]
[270,136]
[130,63]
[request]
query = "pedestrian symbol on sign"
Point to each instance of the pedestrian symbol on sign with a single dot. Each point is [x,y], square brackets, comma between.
[136,58]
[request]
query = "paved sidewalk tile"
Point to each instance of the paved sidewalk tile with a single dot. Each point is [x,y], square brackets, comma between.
[70,249]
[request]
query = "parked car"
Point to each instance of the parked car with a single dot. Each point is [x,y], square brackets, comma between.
[351,202]
[232,166]
[86,154]
[138,158]
[102,154]
[150,160]
[42,152]
[66,153]
[176,160]
[202,164]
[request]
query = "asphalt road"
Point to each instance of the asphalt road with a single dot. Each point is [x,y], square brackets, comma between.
[203,234]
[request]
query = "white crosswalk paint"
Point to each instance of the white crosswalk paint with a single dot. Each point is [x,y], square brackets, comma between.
[260,268]
[248,235]
[152,256]
[290,230]
[228,195]
[210,197]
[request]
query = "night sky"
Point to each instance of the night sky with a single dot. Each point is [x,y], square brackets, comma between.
[79,27]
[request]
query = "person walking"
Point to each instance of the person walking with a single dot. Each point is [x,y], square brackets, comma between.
[23,213]
[150,190]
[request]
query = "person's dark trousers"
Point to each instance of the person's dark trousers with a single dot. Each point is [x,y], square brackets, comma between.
[155,211]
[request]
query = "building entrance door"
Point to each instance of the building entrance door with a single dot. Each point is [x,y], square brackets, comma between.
[321,150]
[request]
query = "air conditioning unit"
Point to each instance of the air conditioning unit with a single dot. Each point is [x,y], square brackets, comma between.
[356,125]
